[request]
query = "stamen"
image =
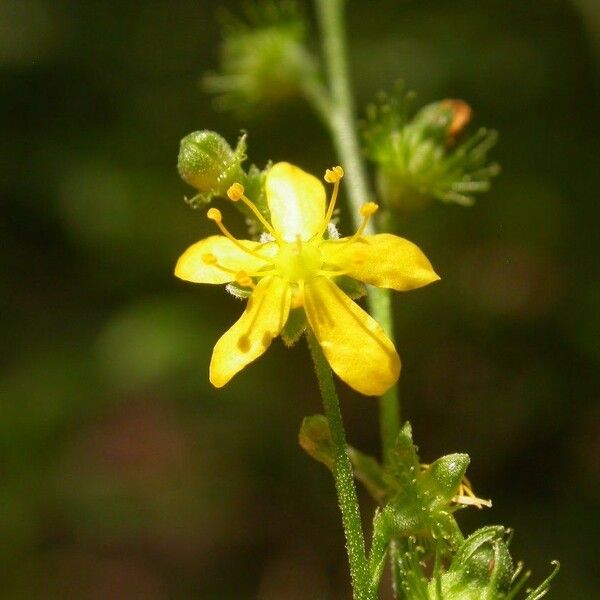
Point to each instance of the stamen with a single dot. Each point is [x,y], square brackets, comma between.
[214,214]
[331,176]
[472,501]
[242,278]
[367,210]
[467,497]
[236,192]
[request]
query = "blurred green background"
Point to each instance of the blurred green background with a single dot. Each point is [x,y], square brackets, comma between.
[122,473]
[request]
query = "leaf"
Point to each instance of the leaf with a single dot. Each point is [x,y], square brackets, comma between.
[315,439]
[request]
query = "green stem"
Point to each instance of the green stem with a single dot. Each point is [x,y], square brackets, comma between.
[344,478]
[340,119]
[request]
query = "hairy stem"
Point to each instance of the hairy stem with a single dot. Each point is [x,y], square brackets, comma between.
[340,119]
[344,478]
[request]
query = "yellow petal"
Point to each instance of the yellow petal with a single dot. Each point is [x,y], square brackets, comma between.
[265,315]
[383,260]
[193,266]
[353,342]
[296,200]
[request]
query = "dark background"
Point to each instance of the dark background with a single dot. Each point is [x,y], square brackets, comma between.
[123,474]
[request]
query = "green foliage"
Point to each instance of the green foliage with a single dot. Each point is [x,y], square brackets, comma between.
[422,156]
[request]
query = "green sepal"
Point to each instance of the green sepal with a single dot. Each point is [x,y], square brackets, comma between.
[403,460]
[294,327]
[482,568]
[315,439]
[441,480]
[420,499]
[351,287]
[544,587]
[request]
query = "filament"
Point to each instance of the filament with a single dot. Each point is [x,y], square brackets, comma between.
[215,215]
[331,176]
[211,259]
[367,210]
[236,192]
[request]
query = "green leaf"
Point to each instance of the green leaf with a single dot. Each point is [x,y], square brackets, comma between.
[315,439]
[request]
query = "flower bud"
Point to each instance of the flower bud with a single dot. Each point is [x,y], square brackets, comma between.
[207,162]
[482,568]
[264,59]
[422,157]
[443,120]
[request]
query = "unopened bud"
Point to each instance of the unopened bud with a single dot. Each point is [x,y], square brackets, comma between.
[207,162]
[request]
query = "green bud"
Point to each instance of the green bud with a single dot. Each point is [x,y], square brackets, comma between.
[443,478]
[207,162]
[264,58]
[421,156]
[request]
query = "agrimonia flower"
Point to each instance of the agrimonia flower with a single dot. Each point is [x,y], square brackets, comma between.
[296,267]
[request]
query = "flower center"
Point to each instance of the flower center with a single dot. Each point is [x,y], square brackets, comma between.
[298,261]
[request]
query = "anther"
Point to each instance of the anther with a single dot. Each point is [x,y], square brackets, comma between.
[214,214]
[368,209]
[333,175]
[209,259]
[242,278]
[235,192]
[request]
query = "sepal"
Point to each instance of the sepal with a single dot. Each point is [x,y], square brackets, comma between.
[294,328]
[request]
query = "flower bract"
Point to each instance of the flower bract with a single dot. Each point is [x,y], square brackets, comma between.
[296,268]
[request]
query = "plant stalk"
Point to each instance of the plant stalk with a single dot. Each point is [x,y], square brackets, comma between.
[342,124]
[343,476]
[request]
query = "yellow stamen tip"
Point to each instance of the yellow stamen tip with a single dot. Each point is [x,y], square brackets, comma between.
[235,192]
[242,278]
[214,214]
[368,209]
[334,175]
[209,259]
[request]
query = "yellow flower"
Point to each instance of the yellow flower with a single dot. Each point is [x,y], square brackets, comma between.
[298,267]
